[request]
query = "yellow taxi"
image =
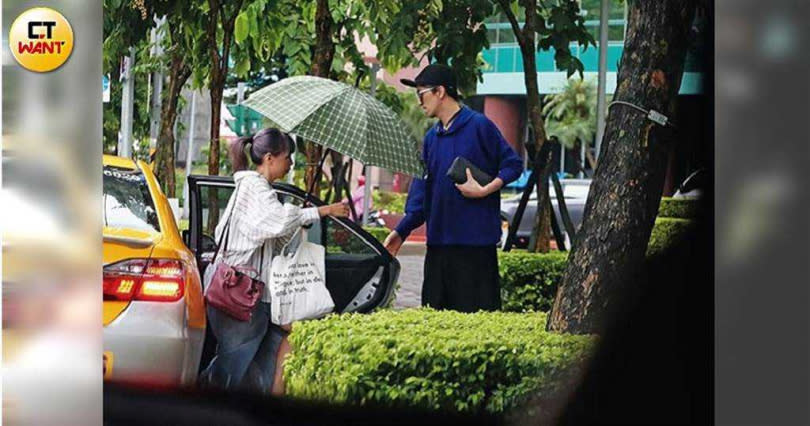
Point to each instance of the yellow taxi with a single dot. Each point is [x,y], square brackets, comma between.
[154,315]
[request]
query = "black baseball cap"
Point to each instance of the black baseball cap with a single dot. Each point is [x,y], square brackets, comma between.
[435,75]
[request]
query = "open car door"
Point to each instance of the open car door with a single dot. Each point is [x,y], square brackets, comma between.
[360,273]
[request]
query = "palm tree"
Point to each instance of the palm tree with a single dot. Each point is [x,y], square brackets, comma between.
[571,115]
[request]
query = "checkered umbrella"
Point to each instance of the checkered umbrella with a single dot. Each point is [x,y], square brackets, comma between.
[342,118]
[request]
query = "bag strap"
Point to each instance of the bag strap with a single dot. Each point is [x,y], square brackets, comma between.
[261,261]
[295,234]
[227,229]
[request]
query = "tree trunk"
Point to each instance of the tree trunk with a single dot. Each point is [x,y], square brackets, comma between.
[608,256]
[219,71]
[179,72]
[321,65]
[214,86]
[540,238]
[526,40]
[324,45]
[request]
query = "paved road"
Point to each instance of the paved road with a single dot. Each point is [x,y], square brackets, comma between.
[412,258]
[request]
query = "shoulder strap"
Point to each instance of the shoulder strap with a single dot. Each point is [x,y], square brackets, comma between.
[226,230]
[295,234]
[261,261]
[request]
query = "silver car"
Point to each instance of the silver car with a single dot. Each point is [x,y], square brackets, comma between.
[575,192]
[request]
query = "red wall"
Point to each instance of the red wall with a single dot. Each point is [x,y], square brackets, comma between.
[506,116]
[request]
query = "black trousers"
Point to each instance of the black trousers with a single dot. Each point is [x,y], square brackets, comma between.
[461,278]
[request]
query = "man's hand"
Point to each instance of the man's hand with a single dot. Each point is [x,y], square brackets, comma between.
[472,189]
[393,242]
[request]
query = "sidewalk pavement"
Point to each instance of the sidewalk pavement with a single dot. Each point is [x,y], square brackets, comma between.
[412,259]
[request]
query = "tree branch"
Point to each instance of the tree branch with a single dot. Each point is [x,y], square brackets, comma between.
[512,20]
[213,17]
[228,22]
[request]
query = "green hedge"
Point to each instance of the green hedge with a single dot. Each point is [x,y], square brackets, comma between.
[678,208]
[487,361]
[394,202]
[529,280]
[666,231]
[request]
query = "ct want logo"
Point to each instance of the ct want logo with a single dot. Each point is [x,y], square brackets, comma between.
[41,39]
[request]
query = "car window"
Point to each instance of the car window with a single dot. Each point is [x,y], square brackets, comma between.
[342,239]
[339,237]
[211,213]
[127,202]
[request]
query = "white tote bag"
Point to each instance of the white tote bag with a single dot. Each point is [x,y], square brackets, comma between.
[297,284]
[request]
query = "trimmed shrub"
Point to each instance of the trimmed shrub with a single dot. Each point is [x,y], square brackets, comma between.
[394,202]
[486,361]
[666,231]
[678,208]
[529,280]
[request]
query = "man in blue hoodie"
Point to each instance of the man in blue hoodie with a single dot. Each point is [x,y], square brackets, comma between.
[463,220]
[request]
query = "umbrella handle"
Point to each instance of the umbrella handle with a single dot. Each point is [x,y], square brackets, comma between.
[360,74]
[346,180]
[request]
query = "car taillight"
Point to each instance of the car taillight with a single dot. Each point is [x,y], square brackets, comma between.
[156,280]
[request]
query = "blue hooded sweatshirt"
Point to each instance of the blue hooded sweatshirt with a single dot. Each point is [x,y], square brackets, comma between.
[453,219]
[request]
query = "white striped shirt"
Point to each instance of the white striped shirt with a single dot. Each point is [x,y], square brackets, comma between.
[259,219]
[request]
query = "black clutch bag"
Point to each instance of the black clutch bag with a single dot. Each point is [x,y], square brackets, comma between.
[458,172]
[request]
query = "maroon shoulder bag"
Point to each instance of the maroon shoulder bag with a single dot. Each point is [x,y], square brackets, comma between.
[232,290]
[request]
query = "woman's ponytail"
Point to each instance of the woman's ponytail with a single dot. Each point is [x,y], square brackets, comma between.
[237,152]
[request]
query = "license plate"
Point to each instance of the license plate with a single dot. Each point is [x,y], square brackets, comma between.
[108,364]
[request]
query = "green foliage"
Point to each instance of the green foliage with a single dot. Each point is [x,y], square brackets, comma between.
[560,24]
[665,232]
[258,39]
[487,361]
[341,240]
[405,104]
[571,114]
[529,280]
[111,111]
[377,232]
[593,8]
[393,299]
[459,41]
[392,201]
[224,159]
[123,26]
[444,31]
[678,208]
[674,219]
[126,24]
